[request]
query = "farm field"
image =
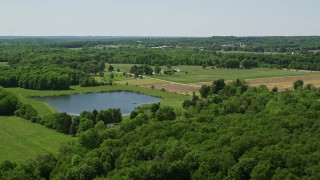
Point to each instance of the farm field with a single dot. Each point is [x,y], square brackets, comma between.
[197,74]
[283,83]
[186,83]
[21,140]
[194,74]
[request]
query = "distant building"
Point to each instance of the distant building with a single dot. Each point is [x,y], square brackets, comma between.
[178,70]
[161,47]
[112,125]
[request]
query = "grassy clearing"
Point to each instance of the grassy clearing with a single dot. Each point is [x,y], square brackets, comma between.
[123,67]
[4,64]
[197,74]
[21,140]
[170,99]
[117,76]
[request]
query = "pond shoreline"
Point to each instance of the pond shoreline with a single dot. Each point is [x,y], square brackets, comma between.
[77,103]
[25,95]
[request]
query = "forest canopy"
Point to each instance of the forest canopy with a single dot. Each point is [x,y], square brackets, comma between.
[239,132]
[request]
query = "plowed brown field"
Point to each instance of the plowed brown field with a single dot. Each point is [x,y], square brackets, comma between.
[283,83]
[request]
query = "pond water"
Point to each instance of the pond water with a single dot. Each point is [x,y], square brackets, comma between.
[75,104]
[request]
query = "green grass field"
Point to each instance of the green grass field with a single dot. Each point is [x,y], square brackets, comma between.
[170,99]
[198,74]
[123,67]
[21,139]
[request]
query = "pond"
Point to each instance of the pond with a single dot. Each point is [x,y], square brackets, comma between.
[75,104]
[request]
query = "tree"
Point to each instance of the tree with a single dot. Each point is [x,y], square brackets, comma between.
[109,116]
[147,69]
[59,121]
[310,87]
[8,103]
[298,85]
[133,114]
[85,124]
[204,65]
[248,64]
[165,113]
[6,166]
[27,112]
[100,125]
[195,98]
[88,115]
[110,68]
[74,125]
[154,108]
[102,66]
[45,164]
[204,91]
[157,69]
[101,74]
[95,113]
[261,171]
[231,63]
[136,70]
[217,85]
[187,103]
[90,139]
[243,168]
[274,89]
[88,81]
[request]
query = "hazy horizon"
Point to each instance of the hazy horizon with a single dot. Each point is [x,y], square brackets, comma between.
[188,18]
[124,36]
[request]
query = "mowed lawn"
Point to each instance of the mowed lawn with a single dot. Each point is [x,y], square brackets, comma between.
[21,139]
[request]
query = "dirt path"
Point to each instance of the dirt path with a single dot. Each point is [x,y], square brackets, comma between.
[172,86]
[171,82]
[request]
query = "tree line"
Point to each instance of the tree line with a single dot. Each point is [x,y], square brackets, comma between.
[278,44]
[50,77]
[91,60]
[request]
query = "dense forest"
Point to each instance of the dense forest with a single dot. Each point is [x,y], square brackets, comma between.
[236,132]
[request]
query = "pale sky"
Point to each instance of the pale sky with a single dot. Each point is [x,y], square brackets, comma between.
[159,17]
